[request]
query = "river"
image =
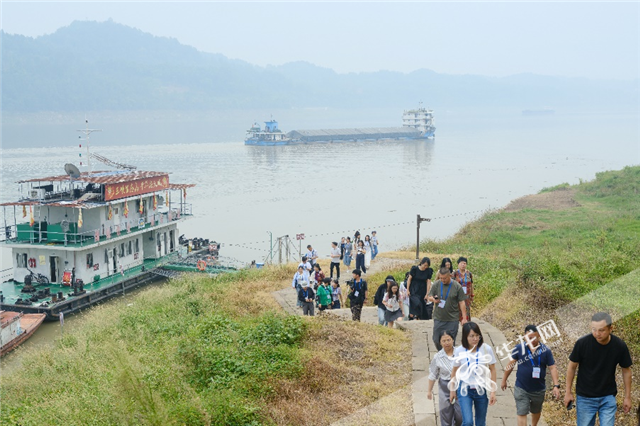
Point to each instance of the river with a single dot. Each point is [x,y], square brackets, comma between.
[479,160]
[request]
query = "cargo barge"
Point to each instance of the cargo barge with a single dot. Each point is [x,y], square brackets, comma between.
[416,124]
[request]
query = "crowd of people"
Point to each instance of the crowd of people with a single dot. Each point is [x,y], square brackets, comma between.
[466,375]
[317,291]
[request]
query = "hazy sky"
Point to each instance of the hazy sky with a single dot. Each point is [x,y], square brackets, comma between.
[594,40]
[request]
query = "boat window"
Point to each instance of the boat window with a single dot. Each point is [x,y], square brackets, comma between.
[137,250]
[106,256]
[121,250]
[21,259]
[89,260]
[129,247]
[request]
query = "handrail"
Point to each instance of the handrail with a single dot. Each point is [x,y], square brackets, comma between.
[35,235]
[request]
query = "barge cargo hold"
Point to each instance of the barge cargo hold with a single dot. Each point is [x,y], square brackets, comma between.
[416,124]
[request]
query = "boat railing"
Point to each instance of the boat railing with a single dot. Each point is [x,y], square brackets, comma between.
[45,233]
[128,271]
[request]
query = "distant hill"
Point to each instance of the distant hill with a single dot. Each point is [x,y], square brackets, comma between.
[108,66]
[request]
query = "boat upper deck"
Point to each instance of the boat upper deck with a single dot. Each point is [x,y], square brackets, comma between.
[54,206]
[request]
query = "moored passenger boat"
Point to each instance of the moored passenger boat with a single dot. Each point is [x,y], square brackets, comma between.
[80,238]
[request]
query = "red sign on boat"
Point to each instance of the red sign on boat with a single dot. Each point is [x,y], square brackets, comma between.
[114,191]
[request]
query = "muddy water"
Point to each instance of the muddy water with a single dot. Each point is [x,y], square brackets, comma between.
[480,159]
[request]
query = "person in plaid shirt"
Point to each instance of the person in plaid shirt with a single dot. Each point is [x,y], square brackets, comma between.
[465,278]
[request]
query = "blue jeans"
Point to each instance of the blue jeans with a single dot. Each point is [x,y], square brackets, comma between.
[587,408]
[481,403]
[381,312]
[374,252]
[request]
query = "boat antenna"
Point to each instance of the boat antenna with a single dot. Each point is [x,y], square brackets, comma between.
[111,163]
[87,132]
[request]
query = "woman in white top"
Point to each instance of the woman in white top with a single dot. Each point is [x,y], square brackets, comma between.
[405,300]
[440,370]
[298,278]
[348,247]
[361,253]
[367,255]
[393,301]
[473,376]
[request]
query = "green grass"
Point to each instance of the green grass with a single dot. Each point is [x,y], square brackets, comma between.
[563,253]
[564,185]
[537,264]
[179,355]
[206,351]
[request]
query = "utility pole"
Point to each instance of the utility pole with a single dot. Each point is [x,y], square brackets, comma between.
[288,251]
[280,250]
[270,247]
[418,221]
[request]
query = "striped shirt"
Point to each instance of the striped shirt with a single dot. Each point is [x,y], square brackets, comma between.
[441,366]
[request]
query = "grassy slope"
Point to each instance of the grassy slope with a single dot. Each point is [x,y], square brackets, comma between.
[200,351]
[530,262]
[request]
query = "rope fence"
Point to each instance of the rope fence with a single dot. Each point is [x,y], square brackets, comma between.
[247,245]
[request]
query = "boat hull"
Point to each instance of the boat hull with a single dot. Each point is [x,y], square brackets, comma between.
[253,142]
[75,304]
[30,323]
[429,135]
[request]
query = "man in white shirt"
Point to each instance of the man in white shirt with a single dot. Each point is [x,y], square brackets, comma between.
[306,265]
[312,255]
[335,259]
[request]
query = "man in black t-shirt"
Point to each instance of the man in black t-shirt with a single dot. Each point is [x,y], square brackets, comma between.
[357,294]
[597,355]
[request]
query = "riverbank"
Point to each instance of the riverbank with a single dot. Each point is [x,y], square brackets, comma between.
[560,255]
[202,351]
[220,351]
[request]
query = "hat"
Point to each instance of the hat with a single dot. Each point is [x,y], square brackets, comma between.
[305,284]
[390,278]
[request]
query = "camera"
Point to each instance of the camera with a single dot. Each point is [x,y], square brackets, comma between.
[350,283]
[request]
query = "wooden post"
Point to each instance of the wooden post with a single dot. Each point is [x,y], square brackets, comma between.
[418,239]
[418,221]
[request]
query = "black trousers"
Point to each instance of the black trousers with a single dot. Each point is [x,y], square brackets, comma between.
[337,266]
[360,263]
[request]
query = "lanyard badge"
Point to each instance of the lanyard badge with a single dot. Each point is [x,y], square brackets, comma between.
[536,371]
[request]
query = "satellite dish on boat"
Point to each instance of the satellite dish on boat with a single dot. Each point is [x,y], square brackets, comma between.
[72,171]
